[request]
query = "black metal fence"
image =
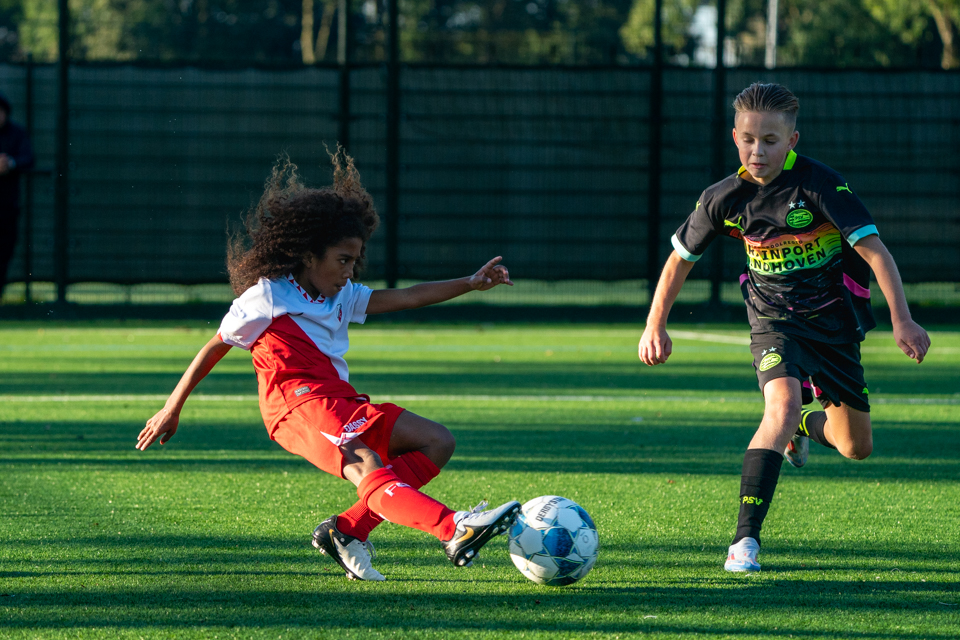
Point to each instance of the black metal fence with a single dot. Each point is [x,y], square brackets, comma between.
[550,167]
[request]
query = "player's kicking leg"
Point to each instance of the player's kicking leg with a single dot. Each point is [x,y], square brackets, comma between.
[462,533]
[418,449]
[473,529]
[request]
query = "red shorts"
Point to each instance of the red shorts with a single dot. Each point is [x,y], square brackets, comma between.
[316,429]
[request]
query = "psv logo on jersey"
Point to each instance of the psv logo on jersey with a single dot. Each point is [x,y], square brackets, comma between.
[339,313]
[799,218]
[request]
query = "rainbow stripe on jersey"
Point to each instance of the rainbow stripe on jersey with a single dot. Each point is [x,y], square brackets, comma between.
[789,253]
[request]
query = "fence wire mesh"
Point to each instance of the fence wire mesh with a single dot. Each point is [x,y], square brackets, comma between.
[549,167]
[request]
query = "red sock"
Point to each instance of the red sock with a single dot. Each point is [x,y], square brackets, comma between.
[396,501]
[413,468]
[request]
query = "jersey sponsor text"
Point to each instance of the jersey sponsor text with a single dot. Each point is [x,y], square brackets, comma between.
[788,253]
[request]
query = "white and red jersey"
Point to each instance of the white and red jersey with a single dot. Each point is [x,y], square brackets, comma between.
[297,342]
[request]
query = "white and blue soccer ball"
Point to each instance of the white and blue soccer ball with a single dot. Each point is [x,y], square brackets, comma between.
[553,541]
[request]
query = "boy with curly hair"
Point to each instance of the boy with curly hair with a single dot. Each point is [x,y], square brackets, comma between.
[810,245]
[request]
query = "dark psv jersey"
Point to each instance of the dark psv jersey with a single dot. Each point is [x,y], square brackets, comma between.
[803,276]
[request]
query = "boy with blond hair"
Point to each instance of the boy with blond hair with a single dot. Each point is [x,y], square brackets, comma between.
[811,245]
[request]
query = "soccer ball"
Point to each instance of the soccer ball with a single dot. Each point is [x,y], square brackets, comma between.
[553,541]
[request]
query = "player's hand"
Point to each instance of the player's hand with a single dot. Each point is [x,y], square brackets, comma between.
[163,426]
[655,346]
[912,339]
[490,275]
[4,164]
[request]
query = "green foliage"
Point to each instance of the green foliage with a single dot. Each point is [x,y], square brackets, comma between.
[11,14]
[827,33]
[911,22]
[821,33]
[122,30]
[38,29]
[509,31]
[811,32]
[638,31]
[100,28]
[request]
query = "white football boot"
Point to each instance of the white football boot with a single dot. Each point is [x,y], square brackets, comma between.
[799,446]
[743,556]
[477,527]
[797,450]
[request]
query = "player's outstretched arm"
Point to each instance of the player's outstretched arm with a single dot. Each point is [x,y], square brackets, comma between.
[427,293]
[910,337]
[655,344]
[164,424]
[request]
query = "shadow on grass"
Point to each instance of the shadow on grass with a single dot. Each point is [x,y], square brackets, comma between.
[416,378]
[927,452]
[175,592]
[477,377]
[176,554]
[98,383]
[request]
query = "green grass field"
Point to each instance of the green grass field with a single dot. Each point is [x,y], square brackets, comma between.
[208,536]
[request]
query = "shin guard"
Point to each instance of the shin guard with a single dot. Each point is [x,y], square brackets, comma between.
[761,470]
[394,500]
[413,468]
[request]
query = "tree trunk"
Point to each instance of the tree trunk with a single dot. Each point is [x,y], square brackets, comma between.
[306,33]
[945,27]
[326,24]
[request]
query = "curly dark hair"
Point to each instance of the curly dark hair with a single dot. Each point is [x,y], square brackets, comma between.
[292,221]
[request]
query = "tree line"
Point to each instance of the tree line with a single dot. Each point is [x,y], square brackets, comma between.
[822,33]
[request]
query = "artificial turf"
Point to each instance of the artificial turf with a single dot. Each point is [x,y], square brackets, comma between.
[208,536]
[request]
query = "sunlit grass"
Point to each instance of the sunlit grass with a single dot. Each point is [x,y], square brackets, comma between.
[208,536]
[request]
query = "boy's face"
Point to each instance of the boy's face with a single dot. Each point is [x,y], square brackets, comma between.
[327,275]
[763,140]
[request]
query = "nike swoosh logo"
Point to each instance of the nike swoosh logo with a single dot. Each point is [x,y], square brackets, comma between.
[466,536]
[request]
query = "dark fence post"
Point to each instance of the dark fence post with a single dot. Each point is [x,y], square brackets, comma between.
[61,244]
[654,156]
[343,59]
[719,145]
[28,196]
[393,147]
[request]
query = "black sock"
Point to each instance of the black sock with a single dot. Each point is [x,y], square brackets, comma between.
[761,470]
[811,425]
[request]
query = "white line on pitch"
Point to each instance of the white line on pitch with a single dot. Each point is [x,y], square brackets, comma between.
[710,337]
[725,339]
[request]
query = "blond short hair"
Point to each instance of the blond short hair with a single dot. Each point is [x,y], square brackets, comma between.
[768,98]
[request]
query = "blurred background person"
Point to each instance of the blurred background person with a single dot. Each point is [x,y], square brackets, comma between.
[16,156]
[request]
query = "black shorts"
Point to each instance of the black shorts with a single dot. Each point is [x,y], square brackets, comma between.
[835,369]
